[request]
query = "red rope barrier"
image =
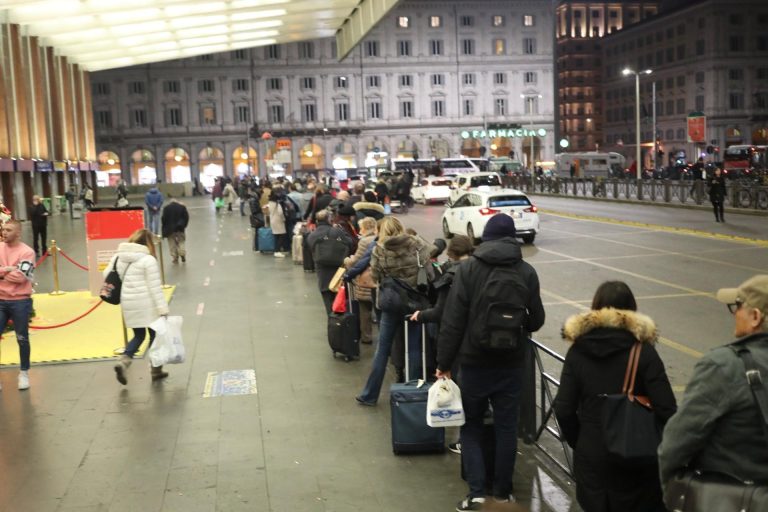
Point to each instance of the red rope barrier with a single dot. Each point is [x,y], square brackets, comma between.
[42,259]
[69,322]
[73,261]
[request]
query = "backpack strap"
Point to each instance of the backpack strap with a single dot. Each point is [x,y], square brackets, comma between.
[756,383]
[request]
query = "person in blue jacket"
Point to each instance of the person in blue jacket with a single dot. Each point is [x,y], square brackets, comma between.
[154,201]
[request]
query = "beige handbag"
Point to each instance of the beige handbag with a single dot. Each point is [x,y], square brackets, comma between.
[337,280]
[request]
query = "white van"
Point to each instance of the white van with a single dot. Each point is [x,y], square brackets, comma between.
[457,166]
[591,164]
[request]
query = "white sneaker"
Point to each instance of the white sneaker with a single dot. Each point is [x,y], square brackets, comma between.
[23,380]
[279,255]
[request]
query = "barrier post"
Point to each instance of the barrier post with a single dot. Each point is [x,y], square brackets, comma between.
[55,254]
[159,241]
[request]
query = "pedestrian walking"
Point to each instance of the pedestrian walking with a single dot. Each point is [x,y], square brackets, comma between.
[38,214]
[175,220]
[70,195]
[154,201]
[717,193]
[493,305]
[86,196]
[17,268]
[121,191]
[718,435]
[217,194]
[141,297]
[230,195]
[596,364]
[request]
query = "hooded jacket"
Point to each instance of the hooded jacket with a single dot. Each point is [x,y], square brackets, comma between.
[365,209]
[141,297]
[154,200]
[397,257]
[464,300]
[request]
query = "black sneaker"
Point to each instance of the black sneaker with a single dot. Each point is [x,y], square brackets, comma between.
[455,448]
[470,504]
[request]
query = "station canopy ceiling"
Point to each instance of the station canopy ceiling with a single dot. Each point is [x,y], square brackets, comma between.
[104,34]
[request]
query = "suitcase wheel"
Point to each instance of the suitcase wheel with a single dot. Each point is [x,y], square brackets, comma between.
[347,359]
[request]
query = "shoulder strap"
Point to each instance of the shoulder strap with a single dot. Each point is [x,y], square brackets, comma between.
[631,372]
[755,381]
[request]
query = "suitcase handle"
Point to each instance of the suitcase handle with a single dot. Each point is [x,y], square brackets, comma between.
[423,350]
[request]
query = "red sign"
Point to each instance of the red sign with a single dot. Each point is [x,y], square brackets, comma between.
[106,225]
[283,144]
[697,129]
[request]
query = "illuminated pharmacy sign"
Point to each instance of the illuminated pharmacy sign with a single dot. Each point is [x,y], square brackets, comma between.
[502,132]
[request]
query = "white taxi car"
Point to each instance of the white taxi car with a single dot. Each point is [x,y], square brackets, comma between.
[474,181]
[471,211]
[431,190]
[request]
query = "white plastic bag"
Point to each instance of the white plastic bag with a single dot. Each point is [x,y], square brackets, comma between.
[168,347]
[444,407]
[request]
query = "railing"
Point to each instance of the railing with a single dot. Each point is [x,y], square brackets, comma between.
[537,415]
[739,194]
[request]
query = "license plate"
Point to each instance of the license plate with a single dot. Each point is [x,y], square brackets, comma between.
[517,215]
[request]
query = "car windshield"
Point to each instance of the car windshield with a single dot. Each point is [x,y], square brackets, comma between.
[508,200]
[489,181]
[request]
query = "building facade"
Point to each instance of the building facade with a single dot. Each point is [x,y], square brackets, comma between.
[432,80]
[707,57]
[579,32]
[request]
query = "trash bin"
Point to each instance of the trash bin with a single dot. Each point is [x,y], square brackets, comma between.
[60,203]
[47,203]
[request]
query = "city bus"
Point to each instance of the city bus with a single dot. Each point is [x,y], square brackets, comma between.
[591,164]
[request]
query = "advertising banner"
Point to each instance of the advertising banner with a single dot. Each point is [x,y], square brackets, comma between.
[697,127]
[105,229]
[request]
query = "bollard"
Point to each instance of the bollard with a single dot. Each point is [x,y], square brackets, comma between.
[162,264]
[55,255]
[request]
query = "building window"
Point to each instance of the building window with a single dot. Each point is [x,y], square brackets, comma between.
[467,21]
[438,108]
[104,119]
[307,83]
[240,55]
[736,44]
[469,107]
[531,105]
[670,55]
[700,103]
[406,81]
[529,46]
[680,107]
[435,21]
[404,48]
[208,115]
[497,21]
[341,82]
[374,109]
[206,58]
[138,118]
[371,48]
[171,87]
[404,21]
[528,20]
[762,73]
[173,116]
[681,52]
[272,52]
[274,84]
[499,78]
[681,81]
[101,89]
[529,77]
[438,79]
[735,74]
[736,100]
[136,88]
[242,114]
[762,43]
[307,50]
[499,46]
[206,86]
[406,109]
[700,47]
[240,85]
[468,78]
[275,113]
[699,77]
[761,100]
[308,112]
[500,106]
[342,111]
[468,46]
[670,108]
[374,81]
[436,47]
[735,19]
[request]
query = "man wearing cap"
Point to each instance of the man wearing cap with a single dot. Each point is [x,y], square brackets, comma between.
[718,427]
[493,304]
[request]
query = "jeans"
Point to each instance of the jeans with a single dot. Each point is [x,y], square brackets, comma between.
[389,324]
[153,221]
[242,207]
[501,387]
[18,312]
[139,333]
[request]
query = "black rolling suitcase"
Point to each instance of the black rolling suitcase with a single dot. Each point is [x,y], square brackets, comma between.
[308,260]
[344,331]
[408,404]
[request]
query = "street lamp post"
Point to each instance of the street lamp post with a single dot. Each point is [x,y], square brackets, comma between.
[627,72]
[525,98]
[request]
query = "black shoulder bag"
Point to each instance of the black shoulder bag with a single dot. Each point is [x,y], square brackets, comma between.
[113,285]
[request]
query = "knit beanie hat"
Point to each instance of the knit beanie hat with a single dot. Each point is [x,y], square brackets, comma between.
[499,226]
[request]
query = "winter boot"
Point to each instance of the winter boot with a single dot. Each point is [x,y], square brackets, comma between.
[121,369]
[158,373]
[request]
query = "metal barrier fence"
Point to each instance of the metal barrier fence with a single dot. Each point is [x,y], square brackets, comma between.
[739,194]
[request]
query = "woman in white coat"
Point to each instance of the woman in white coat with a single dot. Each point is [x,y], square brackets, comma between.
[277,221]
[141,297]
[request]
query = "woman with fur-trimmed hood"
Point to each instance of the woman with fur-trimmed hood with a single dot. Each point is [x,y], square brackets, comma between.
[595,365]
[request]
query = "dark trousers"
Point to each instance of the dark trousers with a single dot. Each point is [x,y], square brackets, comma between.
[139,333]
[718,207]
[501,388]
[39,233]
[281,243]
[18,311]
[328,297]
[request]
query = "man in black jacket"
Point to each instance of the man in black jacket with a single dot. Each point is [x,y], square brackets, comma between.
[175,219]
[492,306]
[39,216]
[337,245]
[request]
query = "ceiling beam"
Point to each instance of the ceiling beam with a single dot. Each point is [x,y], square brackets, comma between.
[367,14]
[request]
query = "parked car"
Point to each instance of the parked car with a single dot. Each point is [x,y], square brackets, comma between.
[431,190]
[475,181]
[470,212]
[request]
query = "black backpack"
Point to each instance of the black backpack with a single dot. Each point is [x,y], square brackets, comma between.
[112,286]
[331,250]
[500,315]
